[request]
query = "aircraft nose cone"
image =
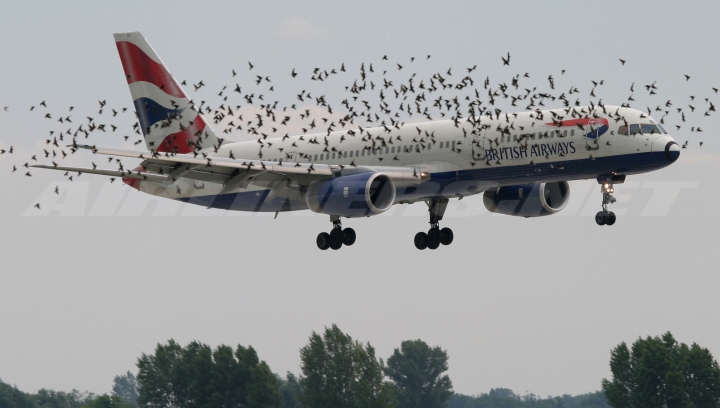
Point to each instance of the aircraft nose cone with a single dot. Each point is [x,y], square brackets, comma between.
[665,151]
[672,151]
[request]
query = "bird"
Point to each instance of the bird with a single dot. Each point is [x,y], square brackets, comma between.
[57,190]
[37,206]
[622,61]
[250,65]
[506,61]
[687,77]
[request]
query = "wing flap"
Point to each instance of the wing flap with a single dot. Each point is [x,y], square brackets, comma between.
[111,173]
[223,164]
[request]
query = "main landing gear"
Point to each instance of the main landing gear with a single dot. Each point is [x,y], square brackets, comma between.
[435,236]
[606,217]
[337,236]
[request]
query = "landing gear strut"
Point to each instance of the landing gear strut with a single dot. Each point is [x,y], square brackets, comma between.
[337,236]
[606,217]
[435,236]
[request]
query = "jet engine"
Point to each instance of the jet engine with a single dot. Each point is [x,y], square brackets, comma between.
[356,195]
[528,200]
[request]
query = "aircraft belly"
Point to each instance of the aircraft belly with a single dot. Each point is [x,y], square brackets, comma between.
[447,184]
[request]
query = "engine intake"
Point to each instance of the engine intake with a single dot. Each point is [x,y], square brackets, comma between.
[528,200]
[356,195]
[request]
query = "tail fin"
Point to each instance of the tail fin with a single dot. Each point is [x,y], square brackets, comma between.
[168,120]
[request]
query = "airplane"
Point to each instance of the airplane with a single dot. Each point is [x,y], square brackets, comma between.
[520,162]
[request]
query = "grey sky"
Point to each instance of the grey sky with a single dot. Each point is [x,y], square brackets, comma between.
[529,304]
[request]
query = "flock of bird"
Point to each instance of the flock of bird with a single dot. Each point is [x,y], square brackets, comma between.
[372,99]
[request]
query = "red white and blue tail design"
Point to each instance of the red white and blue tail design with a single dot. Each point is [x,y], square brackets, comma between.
[168,120]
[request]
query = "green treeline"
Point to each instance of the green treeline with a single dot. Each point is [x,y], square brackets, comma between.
[338,371]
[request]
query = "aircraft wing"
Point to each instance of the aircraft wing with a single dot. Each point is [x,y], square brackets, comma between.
[169,166]
[112,173]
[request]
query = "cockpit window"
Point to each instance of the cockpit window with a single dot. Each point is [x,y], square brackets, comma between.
[662,129]
[650,129]
[623,130]
[634,129]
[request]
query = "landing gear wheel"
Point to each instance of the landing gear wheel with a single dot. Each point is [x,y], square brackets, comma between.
[336,238]
[600,218]
[433,238]
[610,218]
[446,236]
[606,217]
[348,236]
[421,240]
[323,240]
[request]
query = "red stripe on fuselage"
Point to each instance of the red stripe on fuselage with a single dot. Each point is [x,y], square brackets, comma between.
[139,67]
[581,121]
[180,142]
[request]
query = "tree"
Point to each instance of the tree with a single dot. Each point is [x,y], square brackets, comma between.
[660,372]
[51,399]
[126,387]
[417,372]
[107,401]
[341,373]
[290,390]
[196,376]
[11,397]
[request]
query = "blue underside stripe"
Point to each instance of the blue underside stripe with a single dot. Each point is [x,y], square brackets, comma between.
[465,182]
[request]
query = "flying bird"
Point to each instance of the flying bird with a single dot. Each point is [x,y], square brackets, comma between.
[506,61]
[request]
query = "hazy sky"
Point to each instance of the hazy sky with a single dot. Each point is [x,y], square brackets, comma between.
[103,273]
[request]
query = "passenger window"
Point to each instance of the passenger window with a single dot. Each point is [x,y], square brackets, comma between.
[392,150]
[363,152]
[572,132]
[315,157]
[453,144]
[351,153]
[417,147]
[623,130]
[387,150]
[333,156]
[357,153]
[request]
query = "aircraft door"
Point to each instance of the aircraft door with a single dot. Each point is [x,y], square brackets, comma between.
[478,144]
[592,132]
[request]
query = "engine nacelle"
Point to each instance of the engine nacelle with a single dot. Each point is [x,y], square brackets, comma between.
[356,195]
[529,200]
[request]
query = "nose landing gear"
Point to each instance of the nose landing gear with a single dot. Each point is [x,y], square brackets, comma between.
[435,236]
[606,217]
[337,236]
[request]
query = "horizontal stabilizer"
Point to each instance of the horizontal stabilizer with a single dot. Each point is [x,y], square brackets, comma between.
[111,173]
